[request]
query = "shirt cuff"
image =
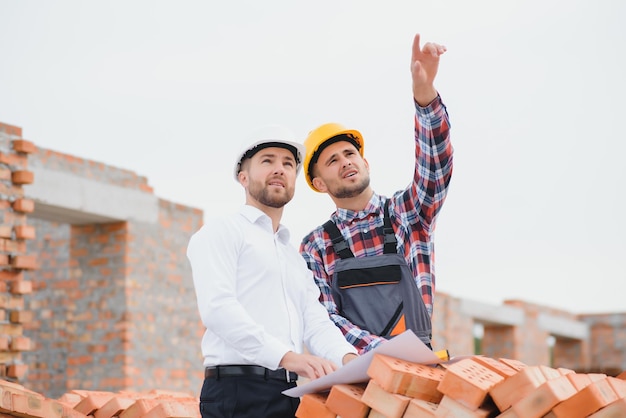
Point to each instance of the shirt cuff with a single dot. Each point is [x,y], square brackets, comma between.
[430,108]
[272,353]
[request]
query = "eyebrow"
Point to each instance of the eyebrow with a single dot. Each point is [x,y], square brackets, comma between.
[340,151]
[274,154]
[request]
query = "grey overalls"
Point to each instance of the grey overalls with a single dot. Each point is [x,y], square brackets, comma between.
[378,293]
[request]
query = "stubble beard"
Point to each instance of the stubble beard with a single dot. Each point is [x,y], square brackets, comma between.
[347,192]
[264,196]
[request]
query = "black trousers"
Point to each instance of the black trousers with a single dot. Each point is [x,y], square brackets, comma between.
[246,397]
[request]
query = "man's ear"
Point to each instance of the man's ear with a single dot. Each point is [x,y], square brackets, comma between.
[319,184]
[367,165]
[243,178]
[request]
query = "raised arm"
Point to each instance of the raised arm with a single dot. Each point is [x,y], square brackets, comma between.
[424,66]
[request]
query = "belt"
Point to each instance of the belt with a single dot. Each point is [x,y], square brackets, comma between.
[217,372]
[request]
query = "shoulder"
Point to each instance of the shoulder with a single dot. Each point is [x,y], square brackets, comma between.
[217,227]
[314,237]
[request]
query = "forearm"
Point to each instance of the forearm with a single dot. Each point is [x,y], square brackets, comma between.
[433,159]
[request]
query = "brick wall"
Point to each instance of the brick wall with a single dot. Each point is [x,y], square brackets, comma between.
[608,341]
[51,302]
[14,259]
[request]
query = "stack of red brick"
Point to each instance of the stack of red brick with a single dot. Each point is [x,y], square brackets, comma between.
[472,387]
[17,401]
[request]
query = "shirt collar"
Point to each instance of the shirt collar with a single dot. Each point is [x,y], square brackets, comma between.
[372,208]
[257,216]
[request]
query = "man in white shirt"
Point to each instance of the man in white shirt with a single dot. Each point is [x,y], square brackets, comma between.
[256,296]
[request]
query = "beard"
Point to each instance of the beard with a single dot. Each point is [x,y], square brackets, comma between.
[346,192]
[268,197]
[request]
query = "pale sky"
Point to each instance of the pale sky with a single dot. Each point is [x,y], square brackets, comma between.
[535,90]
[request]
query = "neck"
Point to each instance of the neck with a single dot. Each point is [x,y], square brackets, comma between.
[355,203]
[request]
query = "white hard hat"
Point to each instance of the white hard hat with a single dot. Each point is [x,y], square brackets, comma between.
[270,136]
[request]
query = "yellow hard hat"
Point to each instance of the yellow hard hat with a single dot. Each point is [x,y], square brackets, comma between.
[319,138]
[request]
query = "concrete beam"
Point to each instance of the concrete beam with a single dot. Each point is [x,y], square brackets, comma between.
[68,198]
[491,314]
[562,327]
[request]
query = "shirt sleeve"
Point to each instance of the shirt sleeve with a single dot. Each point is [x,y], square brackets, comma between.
[213,254]
[422,201]
[361,339]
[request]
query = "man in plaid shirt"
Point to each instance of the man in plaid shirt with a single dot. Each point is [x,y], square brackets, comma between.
[334,164]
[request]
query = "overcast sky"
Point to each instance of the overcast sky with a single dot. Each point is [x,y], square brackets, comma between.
[535,90]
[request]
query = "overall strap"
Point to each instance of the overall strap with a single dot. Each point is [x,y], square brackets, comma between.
[390,237]
[339,244]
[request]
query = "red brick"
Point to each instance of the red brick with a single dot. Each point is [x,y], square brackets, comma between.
[70,399]
[21,317]
[514,388]
[541,400]
[24,262]
[468,382]
[113,407]
[20,343]
[450,408]
[549,372]
[93,401]
[22,145]
[585,402]
[139,408]
[11,275]
[496,366]
[11,129]
[618,385]
[30,405]
[564,370]
[17,371]
[22,177]
[515,364]
[579,380]
[175,409]
[24,231]
[424,384]
[24,205]
[615,409]
[391,405]
[6,231]
[419,408]
[313,405]
[14,160]
[390,373]
[21,287]
[346,401]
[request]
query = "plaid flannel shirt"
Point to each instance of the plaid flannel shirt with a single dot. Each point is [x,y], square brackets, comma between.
[413,214]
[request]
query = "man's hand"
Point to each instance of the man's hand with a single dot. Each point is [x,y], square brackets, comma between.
[307,365]
[424,66]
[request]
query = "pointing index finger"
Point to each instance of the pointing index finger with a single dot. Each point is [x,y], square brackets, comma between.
[416,47]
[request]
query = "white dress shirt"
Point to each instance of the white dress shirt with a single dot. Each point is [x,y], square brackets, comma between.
[256,296]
